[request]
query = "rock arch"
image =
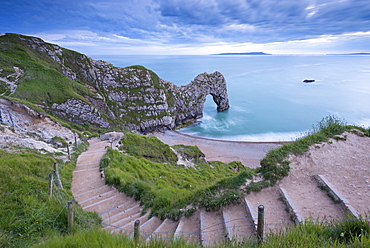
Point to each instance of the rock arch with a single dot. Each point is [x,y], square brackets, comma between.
[190,99]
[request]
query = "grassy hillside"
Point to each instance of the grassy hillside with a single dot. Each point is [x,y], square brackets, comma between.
[41,82]
[149,173]
[27,214]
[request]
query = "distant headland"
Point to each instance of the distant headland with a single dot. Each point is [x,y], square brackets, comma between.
[250,53]
[350,54]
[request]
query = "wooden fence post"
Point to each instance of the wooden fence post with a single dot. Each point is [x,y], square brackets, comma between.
[137,231]
[57,176]
[69,154]
[260,223]
[50,185]
[70,215]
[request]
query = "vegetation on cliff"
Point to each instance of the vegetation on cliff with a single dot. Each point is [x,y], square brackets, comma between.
[82,90]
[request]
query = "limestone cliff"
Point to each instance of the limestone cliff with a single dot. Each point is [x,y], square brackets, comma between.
[21,126]
[107,96]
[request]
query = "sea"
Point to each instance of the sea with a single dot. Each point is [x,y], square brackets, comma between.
[268,99]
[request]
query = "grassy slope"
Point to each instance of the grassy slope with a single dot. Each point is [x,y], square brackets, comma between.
[42,82]
[150,174]
[27,214]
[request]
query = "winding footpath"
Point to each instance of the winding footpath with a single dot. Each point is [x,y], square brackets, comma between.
[236,222]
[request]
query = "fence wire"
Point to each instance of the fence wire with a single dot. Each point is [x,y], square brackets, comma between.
[215,231]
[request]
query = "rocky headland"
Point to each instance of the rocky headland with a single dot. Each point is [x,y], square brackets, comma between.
[82,90]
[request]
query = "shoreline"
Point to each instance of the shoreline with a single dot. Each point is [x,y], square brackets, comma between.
[230,141]
[247,152]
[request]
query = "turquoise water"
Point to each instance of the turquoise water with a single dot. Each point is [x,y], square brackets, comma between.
[269,101]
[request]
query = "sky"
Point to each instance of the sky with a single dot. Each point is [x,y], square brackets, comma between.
[165,27]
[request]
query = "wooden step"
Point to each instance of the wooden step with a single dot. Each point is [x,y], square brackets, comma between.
[212,228]
[293,210]
[165,231]
[118,224]
[276,217]
[128,228]
[98,198]
[93,192]
[335,195]
[238,223]
[106,204]
[149,227]
[123,214]
[189,228]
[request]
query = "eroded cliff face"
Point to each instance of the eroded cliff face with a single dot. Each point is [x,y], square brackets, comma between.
[134,97]
[21,126]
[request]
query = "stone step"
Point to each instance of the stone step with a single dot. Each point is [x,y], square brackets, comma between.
[98,198]
[212,228]
[324,184]
[149,227]
[189,228]
[165,231]
[238,223]
[93,192]
[117,218]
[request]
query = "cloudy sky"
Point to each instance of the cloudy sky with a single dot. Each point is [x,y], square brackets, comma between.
[97,27]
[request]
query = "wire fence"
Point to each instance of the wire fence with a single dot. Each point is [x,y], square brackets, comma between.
[238,229]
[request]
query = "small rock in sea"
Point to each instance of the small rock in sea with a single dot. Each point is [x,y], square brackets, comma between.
[308,80]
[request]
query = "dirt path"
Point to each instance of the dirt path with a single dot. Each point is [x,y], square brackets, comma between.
[344,163]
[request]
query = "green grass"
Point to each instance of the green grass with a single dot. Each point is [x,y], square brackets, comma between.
[340,234]
[27,214]
[42,82]
[150,148]
[149,173]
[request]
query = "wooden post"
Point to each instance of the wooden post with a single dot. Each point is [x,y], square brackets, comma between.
[75,142]
[260,224]
[69,154]
[50,185]
[70,215]
[57,176]
[137,231]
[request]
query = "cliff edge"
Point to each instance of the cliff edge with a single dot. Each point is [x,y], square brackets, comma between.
[82,90]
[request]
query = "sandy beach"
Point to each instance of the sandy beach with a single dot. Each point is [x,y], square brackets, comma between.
[249,153]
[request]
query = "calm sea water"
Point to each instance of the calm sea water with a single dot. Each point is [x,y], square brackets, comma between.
[269,101]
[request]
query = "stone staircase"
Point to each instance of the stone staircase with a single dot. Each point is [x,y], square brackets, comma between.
[234,222]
